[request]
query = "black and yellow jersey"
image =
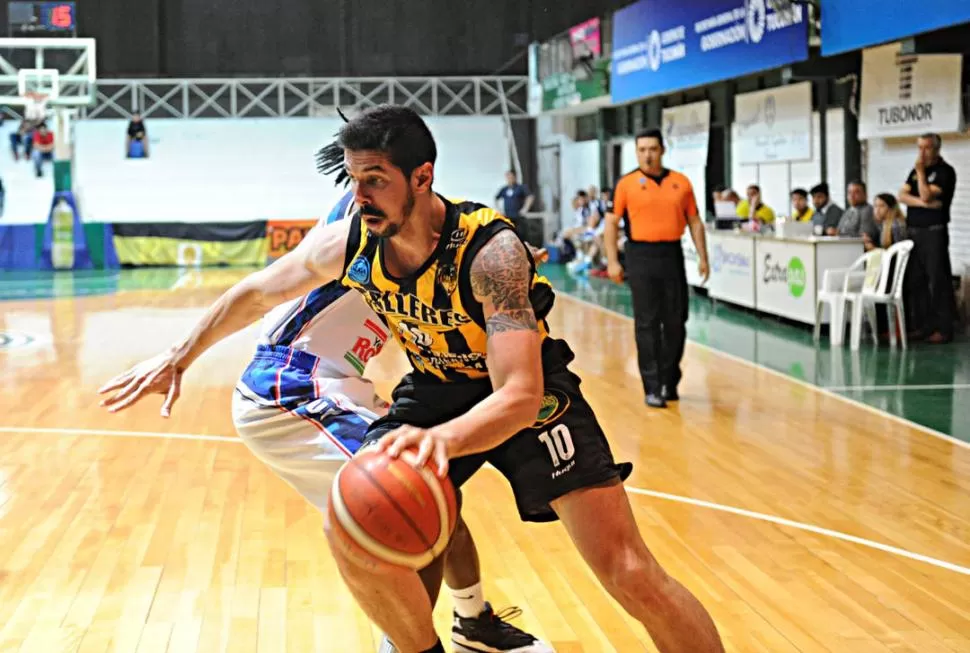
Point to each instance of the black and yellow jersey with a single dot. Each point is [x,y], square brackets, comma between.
[433,312]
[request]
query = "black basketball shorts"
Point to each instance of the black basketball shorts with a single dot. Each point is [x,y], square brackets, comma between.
[564,450]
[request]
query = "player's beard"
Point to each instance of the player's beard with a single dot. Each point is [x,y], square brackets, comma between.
[393,229]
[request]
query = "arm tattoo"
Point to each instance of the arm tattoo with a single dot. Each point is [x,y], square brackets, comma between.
[501,278]
[516,320]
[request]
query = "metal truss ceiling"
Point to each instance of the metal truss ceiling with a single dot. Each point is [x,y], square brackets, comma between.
[316,97]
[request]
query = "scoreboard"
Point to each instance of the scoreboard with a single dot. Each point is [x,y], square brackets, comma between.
[44,19]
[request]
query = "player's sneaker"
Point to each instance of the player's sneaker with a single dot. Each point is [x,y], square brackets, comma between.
[492,633]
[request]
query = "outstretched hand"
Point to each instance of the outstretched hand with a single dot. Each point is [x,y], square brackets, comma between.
[158,375]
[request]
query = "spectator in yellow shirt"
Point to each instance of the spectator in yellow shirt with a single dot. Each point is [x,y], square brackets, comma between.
[753,208]
[800,210]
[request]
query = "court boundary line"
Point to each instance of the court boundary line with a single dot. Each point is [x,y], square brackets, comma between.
[929,386]
[802,526]
[778,521]
[805,384]
[161,435]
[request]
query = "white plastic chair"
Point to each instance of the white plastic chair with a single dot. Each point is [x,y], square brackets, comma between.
[835,284]
[882,290]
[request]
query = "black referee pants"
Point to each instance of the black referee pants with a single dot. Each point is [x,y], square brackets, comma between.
[658,284]
[931,251]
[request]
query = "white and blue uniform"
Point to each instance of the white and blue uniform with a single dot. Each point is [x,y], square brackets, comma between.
[302,405]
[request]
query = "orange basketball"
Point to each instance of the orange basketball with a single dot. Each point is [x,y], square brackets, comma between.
[399,514]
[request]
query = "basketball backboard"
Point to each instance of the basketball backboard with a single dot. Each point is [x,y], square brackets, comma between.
[63,69]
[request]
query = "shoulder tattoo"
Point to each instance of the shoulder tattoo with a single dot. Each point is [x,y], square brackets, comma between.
[501,277]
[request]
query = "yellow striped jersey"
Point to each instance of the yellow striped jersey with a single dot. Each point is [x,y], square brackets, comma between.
[433,312]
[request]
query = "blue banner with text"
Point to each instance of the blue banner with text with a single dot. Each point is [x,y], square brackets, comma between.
[662,46]
[861,23]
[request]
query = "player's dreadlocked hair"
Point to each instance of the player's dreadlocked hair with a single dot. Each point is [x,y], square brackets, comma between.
[399,132]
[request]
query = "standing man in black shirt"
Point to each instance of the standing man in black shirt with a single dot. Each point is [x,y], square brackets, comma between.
[929,193]
[513,199]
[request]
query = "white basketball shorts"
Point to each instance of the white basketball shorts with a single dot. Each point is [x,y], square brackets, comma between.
[304,438]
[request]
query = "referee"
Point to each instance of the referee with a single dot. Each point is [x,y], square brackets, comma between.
[655,205]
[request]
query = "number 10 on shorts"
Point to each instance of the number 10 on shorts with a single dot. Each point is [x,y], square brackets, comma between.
[559,441]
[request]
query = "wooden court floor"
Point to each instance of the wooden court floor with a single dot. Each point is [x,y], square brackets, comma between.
[803,522]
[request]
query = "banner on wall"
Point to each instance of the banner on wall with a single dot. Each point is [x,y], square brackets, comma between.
[774,125]
[283,236]
[661,46]
[687,134]
[908,95]
[585,39]
[860,23]
[687,131]
[191,244]
[564,90]
[588,75]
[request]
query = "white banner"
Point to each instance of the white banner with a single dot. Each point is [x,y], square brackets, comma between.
[691,259]
[774,125]
[732,267]
[687,133]
[908,95]
[786,279]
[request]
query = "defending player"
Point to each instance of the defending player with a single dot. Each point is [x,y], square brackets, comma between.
[303,408]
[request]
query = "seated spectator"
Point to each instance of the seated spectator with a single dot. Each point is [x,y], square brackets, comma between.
[585,218]
[801,211]
[724,194]
[601,203]
[582,236]
[717,192]
[888,226]
[754,209]
[594,197]
[23,135]
[43,148]
[724,207]
[136,141]
[827,214]
[858,218]
[35,113]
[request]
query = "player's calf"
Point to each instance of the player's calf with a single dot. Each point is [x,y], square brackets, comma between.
[601,524]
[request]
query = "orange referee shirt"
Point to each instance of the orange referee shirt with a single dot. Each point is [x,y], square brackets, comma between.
[654,209]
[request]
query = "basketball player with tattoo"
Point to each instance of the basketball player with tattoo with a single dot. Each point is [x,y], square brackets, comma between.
[459,291]
[303,407]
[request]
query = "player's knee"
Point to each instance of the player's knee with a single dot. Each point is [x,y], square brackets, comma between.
[638,579]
